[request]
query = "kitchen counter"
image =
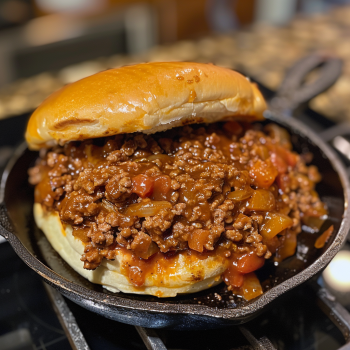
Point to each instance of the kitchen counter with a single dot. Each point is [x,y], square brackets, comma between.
[262,52]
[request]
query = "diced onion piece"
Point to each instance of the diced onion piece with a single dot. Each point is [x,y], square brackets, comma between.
[88,150]
[140,160]
[274,223]
[152,249]
[108,205]
[249,263]
[146,250]
[263,152]
[123,221]
[288,246]
[322,240]
[272,244]
[144,209]
[251,287]
[316,212]
[261,200]
[314,222]
[284,210]
[240,195]
[198,239]
[81,233]
[263,173]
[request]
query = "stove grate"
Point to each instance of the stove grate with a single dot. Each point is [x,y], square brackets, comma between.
[326,301]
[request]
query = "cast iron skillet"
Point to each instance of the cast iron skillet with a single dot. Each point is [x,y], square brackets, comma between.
[201,310]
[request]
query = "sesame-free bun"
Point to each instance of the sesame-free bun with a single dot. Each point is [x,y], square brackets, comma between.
[187,274]
[146,98]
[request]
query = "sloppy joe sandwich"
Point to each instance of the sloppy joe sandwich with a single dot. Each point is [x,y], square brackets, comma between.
[152,180]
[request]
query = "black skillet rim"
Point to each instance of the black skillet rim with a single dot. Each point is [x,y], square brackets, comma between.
[78,292]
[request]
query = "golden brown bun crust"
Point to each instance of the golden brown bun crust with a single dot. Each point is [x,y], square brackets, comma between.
[147,98]
[188,274]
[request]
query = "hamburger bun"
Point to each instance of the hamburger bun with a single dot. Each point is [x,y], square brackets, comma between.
[145,98]
[188,273]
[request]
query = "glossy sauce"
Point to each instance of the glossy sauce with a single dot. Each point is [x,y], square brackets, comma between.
[129,181]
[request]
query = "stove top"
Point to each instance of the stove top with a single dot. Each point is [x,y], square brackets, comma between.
[294,322]
[27,317]
[35,316]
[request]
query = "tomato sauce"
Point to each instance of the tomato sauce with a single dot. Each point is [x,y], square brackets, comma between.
[223,190]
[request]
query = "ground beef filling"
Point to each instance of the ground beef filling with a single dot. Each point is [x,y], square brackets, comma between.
[224,188]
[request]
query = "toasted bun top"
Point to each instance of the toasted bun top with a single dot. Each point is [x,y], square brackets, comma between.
[146,98]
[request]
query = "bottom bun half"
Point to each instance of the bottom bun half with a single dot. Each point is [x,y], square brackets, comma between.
[185,273]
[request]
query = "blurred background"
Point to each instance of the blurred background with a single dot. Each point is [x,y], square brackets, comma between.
[45,44]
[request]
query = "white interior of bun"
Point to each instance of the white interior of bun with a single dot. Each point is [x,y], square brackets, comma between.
[109,275]
[190,113]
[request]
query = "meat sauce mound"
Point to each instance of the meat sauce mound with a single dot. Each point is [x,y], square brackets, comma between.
[231,189]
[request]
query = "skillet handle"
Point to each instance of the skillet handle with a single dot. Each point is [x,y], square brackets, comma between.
[335,311]
[293,91]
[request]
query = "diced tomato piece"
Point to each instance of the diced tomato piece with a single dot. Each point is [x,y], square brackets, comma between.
[249,263]
[322,240]
[198,239]
[233,127]
[288,157]
[142,185]
[279,163]
[291,158]
[232,277]
[283,182]
[161,188]
[251,287]
[261,200]
[263,173]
